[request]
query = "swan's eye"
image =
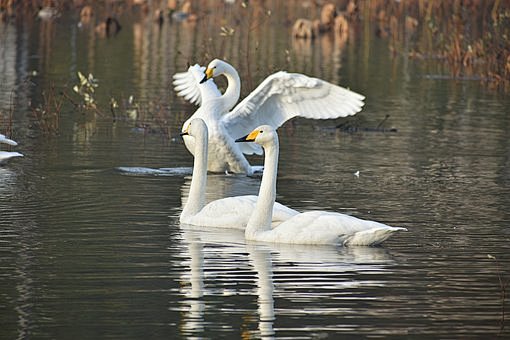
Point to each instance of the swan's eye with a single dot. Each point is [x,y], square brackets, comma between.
[261,131]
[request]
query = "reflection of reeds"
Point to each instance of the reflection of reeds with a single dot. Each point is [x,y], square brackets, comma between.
[469,39]
[153,119]
[148,117]
[47,114]
[472,38]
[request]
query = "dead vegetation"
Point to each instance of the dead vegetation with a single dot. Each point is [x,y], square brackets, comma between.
[47,114]
[470,37]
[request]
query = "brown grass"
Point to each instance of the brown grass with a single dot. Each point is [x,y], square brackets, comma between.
[470,37]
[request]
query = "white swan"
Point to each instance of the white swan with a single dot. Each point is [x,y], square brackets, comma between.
[48,13]
[7,141]
[313,227]
[280,97]
[6,155]
[229,212]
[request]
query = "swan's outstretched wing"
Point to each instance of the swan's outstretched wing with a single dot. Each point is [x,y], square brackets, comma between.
[282,96]
[187,85]
[6,140]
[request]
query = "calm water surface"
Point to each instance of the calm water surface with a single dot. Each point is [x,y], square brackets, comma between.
[87,251]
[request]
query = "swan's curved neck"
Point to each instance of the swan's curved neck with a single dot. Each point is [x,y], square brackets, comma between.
[196,196]
[231,95]
[261,217]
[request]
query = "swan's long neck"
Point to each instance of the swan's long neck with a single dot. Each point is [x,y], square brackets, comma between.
[231,95]
[262,216]
[196,196]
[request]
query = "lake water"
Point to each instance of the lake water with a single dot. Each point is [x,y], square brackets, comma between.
[88,251]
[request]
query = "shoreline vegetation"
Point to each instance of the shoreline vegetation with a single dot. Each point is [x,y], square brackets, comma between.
[470,37]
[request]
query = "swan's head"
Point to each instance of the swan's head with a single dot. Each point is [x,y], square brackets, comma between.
[214,69]
[263,135]
[195,128]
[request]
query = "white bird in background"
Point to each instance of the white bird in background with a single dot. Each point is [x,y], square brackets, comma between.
[312,227]
[6,155]
[229,212]
[280,97]
[48,13]
[7,141]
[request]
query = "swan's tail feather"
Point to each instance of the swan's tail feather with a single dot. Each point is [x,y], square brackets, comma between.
[371,237]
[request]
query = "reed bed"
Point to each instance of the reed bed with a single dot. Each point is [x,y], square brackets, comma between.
[470,37]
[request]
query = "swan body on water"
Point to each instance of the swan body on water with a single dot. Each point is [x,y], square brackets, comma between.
[280,97]
[6,155]
[7,141]
[313,227]
[229,212]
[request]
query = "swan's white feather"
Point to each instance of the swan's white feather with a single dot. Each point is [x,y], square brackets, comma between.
[6,140]
[187,85]
[234,212]
[230,212]
[282,96]
[322,227]
[6,155]
[313,227]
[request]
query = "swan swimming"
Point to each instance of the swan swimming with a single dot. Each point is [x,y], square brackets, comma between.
[280,97]
[229,212]
[312,227]
[6,155]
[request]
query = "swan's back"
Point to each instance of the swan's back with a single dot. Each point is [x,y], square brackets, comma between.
[6,140]
[234,213]
[6,155]
[321,227]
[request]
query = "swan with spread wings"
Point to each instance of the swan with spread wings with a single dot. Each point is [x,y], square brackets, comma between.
[280,97]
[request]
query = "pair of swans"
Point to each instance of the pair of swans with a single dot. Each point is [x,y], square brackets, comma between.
[280,97]
[261,217]
[6,155]
[229,212]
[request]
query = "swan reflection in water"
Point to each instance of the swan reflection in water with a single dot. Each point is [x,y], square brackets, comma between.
[260,258]
[194,291]
[225,256]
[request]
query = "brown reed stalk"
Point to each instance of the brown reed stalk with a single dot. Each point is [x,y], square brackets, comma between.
[47,114]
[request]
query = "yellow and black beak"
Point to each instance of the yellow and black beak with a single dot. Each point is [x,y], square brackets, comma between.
[185,132]
[208,75]
[249,137]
